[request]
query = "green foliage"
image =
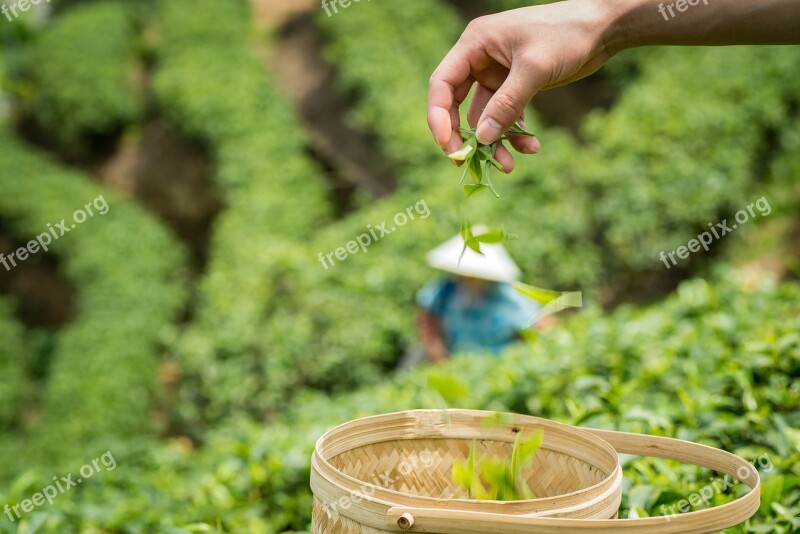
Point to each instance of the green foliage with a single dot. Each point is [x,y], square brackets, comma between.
[499,479]
[608,210]
[13,379]
[558,202]
[666,160]
[713,364]
[388,77]
[83,71]
[211,86]
[478,159]
[710,129]
[103,379]
[346,325]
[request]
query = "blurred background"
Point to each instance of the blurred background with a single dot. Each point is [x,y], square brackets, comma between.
[192,332]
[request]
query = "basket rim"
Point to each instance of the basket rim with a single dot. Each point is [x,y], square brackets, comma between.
[610,483]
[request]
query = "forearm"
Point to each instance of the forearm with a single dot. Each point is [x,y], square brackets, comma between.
[708,22]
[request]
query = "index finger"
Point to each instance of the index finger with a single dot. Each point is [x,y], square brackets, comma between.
[450,77]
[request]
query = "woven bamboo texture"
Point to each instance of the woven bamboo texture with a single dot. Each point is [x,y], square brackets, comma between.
[392,473]
[423,467]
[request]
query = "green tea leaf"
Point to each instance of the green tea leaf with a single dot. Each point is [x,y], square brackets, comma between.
[463,175]
[475,245]
[542,296]
[462,475]
[471,189]
[489,181]
[516,129]
[476,170]
[771,492]
[462,153]
[491,236]
[530,446]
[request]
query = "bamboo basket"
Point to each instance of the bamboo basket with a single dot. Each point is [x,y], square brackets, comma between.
[392,473]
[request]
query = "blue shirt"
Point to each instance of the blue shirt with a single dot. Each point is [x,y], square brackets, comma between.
[488,322]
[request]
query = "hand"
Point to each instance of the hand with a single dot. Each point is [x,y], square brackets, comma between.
[512,56]
[515,54]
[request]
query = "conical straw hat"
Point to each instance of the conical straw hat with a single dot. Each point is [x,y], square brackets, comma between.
[495,264]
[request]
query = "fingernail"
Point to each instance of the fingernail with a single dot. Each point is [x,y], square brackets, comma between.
[488,131]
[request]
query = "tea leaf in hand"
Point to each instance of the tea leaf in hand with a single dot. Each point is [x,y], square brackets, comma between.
[462,153]
[517,129]
[476,170]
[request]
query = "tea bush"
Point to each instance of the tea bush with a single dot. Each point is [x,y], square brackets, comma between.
[579,225]
[83,71]
[611,222]
[655,195]
[713,363]
[102,381]
[368,65]
[13,358]
[212,86]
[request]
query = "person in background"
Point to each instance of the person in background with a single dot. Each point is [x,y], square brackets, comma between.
[475,308]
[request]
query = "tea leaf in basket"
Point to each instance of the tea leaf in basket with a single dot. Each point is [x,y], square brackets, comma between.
[494,475]
[521,457]
[462,475]
[471,469]
[529,447]
[493,479]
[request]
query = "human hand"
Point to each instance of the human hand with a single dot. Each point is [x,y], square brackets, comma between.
[513,55]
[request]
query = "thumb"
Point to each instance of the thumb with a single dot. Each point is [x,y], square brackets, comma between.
[508,103]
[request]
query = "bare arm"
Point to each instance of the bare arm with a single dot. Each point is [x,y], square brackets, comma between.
[515,54]
[707,22]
